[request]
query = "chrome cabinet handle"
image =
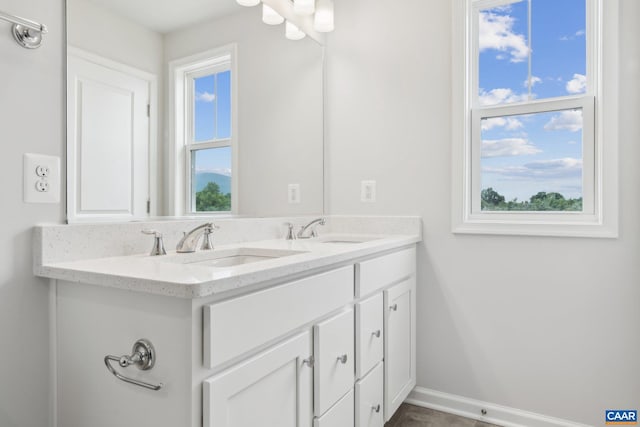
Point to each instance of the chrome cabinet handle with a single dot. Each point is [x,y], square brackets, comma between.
[376,333]
[309,361]
[342,359]
[393,307]
[376,408]
[143,355]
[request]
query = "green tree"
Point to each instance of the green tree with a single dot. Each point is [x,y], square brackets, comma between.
[491,199]
[210,199]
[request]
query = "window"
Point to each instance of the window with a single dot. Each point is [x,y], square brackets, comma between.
[529,158]
[205,135]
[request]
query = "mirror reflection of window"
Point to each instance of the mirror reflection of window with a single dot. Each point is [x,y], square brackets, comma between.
[209,143]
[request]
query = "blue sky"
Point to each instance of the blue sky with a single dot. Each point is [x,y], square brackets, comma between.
[522,155]
[212,120]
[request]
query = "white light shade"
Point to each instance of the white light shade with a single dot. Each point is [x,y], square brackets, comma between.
[323,20]
[270,16]
[304,7]
[292,32]
[248,2]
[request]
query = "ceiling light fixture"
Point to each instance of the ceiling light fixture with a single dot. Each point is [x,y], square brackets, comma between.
[248,3]
[304,7]
[270,16]
[323,19]
[292,32]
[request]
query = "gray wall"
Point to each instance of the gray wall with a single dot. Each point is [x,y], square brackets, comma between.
[31,117]
[548,325]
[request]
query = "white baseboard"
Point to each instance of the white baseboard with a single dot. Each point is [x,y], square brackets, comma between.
[495,414]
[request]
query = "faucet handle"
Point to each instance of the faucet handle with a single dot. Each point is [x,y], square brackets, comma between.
[158,243]
[290,234]
[207,242]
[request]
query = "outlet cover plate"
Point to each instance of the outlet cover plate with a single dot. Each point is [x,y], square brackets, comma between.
[34,182]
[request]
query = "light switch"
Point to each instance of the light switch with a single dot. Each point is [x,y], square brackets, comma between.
[41,178]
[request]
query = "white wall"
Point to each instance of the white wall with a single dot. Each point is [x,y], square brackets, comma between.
[548,325]
[31,117]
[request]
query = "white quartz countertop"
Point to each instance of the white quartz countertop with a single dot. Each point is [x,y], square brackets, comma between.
[181,275]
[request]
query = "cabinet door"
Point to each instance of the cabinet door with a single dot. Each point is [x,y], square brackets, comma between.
[272,389]
[400,344]
[334,365]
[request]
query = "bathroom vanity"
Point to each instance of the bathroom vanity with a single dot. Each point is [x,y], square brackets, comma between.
[316,332]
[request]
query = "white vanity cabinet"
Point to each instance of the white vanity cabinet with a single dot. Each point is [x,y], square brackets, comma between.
[334,348]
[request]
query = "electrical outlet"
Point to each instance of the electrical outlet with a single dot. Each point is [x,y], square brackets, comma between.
[41,178]
[294,193]
[368,191]
[42,186]
[42,171]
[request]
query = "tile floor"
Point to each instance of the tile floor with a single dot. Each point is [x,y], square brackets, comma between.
[415,416]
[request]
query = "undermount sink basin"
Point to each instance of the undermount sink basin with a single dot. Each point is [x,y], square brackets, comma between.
[230,257]
[347,239]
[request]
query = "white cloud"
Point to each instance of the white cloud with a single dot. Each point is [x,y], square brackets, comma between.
[496,32]
[501,96]
[579,33]
[534,80]
[509,123]
[220,171]
[508,147]
[205,96]
[570,120]
[542,169]
[578,84]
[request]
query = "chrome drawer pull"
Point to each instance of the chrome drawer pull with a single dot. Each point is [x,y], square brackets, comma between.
[394,307]
[342,359]
[376,408]
[376,333]
[143,355]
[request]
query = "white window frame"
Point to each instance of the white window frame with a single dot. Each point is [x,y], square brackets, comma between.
[599,217]
[182,73]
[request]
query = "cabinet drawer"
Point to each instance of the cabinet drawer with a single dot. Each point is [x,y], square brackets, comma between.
[238,325]
[341,415]
[333,346]
[369,334]
[385,270]
[369,398]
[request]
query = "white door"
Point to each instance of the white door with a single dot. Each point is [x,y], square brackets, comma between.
[108,140]
[273,389]
[399,344]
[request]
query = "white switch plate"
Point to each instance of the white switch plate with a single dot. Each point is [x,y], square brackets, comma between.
[41,178]
[293,193]
[368,191]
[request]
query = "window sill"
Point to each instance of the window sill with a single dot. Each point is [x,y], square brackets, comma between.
[538,228]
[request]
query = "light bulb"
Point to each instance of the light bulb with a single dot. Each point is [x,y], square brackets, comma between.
[270,16]
[248,2]
[304,7]
[323,19]
[292,32]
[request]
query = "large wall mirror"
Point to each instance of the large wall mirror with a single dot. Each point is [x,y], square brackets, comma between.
[190,107]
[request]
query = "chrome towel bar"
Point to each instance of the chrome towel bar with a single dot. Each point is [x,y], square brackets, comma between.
[143,355]
[27,33]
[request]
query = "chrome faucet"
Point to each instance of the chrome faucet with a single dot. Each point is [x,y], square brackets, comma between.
[312,227]
[189,241]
